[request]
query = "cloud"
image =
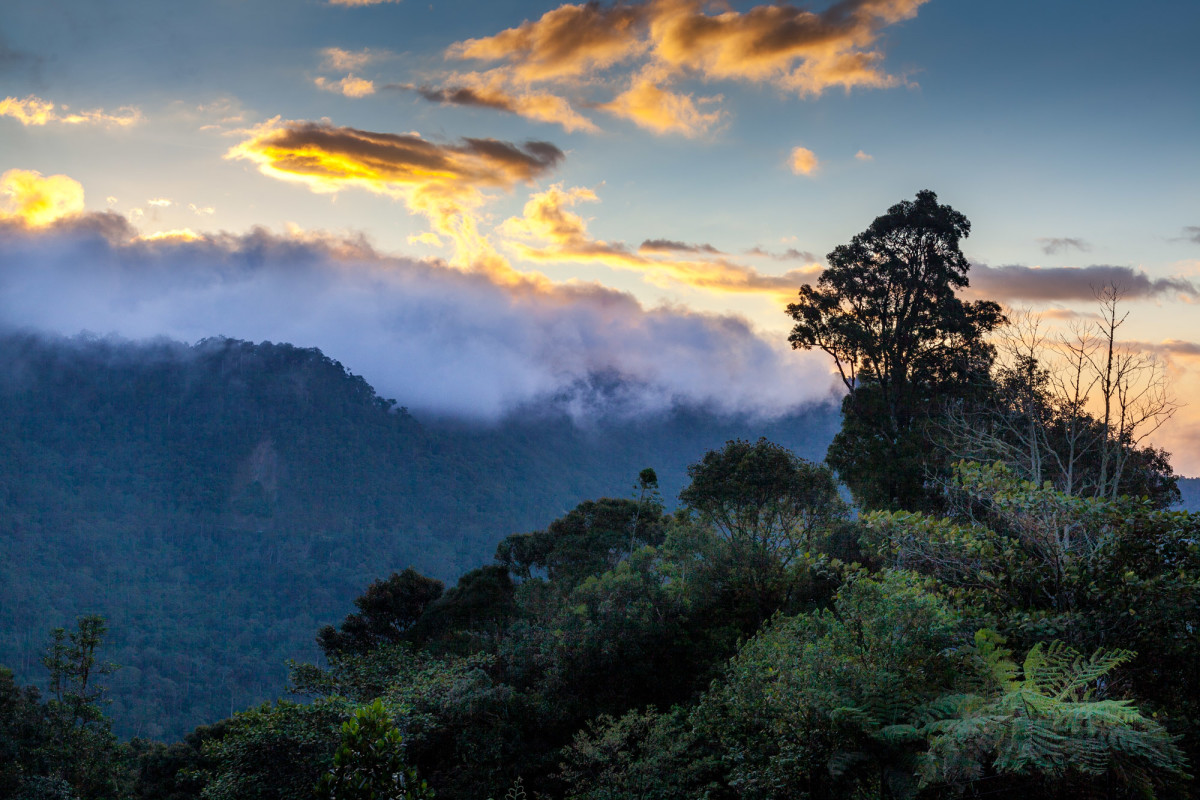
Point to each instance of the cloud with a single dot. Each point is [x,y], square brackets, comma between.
[567,42]
[1192,233]
[350,86]
[803,161]
[1051,246]
[160,202]
[791,254]
[328,159]
[663,41]
[34,111]
[1017,282]
[669,246]
[31,199]
[437,339]
[357,3]
[335,59]
[443,182]
[648,105]
[203,211]
[861,156]
[558,235]
[488,91]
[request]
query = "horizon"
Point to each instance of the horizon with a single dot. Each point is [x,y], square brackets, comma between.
[479,206]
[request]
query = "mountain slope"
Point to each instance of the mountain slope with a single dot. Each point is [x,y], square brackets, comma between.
[218,503]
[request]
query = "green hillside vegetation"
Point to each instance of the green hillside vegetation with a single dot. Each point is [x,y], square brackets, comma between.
[218,503]
[962,630]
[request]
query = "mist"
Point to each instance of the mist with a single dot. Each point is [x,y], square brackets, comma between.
[434,338]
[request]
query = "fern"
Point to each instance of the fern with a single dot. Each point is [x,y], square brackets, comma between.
[1041,719]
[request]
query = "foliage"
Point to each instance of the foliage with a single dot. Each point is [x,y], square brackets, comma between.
[1045,720]
[589,540]
[1039,564]
[387,611]
[887,312]
[769,506]
[273,752]
[822,705]
[369,763]
[221,502]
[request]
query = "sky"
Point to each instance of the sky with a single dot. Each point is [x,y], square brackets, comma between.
[478,205]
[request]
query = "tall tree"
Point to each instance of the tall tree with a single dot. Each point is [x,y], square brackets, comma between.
[887,312]
[769,507]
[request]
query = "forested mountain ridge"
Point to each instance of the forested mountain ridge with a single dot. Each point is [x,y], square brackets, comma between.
[219,503]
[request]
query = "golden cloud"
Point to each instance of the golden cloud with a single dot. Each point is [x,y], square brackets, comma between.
[328,158]
[358,3]
[560,235]
[338,60]
[492,90]
[443,182]
[568,42]
[34,200]
[350,86]
[803,161]
[650,106]
[34,111]
[798,50]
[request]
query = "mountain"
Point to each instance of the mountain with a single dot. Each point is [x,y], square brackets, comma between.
[220,502]
[1189,490]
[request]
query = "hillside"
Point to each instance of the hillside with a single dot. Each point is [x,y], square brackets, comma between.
[219,503]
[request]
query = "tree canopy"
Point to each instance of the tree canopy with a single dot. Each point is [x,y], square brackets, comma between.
[888,313]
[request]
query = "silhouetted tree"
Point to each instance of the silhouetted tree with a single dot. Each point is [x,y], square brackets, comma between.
[887,312]
[386,612]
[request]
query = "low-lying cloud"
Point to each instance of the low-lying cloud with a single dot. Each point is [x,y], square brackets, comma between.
[435,338]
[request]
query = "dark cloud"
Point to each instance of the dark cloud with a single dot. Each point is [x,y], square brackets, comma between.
[1192,233]
[435,338]
[466,96]
[1016,282]
[791,254]
[669,246]
[1051,246]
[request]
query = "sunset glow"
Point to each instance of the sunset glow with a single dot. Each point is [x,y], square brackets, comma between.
[655,166]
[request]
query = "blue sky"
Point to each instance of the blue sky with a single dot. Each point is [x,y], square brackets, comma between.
[746,140]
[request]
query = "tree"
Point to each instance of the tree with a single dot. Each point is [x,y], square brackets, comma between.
[369,764]
[83,750]
[1074,409]
[589,540]
[767,504]
[387,610]
[887,312]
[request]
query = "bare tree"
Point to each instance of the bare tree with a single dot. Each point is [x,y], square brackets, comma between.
[1072,408]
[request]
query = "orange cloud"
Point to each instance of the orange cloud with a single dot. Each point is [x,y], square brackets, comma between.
[560,235]
[34,111]
[443,182]
[569,42]
[350,86]
[490,90]
[338,60]
[660,110]
[803,161]
[34,200]
[798,50]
